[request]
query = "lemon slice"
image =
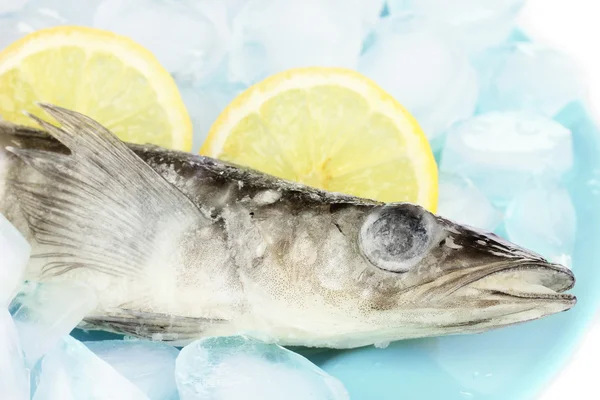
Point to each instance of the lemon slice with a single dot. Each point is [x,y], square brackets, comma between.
[105,76]
[329,128]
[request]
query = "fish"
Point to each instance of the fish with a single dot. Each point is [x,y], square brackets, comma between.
[181,246]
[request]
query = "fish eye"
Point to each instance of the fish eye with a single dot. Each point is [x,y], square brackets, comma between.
[396,237]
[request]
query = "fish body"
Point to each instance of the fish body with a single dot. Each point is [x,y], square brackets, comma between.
[180,246]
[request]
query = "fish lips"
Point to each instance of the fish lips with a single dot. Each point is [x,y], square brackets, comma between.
[529,280]
[495,295]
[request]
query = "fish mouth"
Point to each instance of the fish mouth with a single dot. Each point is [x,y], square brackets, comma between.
[498,295]
[529,281]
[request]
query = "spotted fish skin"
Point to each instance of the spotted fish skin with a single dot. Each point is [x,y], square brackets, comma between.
[181,246]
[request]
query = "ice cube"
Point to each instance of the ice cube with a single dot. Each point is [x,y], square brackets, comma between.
[270,36]
[202,110]
[204,104]
[14,377]
[410,59]
[371,11]
[461,201]
[15,253]
[11,6]
[501,151]
[188,37]
[476,24]
[527,76]
[148,365]
[231,368]
[44,313]
[65,11]
[72,372]
[542,218]
[234,7]
[15,26]
[40,14]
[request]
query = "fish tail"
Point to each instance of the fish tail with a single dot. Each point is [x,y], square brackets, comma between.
[12,135]
[89,202]
[5,161]
[12,168]
[96,213]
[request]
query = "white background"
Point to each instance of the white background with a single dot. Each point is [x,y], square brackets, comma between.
[573,26]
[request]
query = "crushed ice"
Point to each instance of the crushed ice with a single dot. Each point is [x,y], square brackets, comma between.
[486,98]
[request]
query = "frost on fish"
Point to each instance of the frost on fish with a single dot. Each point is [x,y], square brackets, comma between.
[184,246]
[397,238]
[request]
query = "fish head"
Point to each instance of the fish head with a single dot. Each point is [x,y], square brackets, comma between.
[433,276]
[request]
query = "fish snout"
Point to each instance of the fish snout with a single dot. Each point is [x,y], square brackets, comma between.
[495,268]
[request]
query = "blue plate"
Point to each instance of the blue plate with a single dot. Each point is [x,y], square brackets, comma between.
[510,363]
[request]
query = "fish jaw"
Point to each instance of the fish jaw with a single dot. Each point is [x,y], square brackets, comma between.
[500,295]
[530,281]
[533,290]
[487,283]
[514,293]
[509,270]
